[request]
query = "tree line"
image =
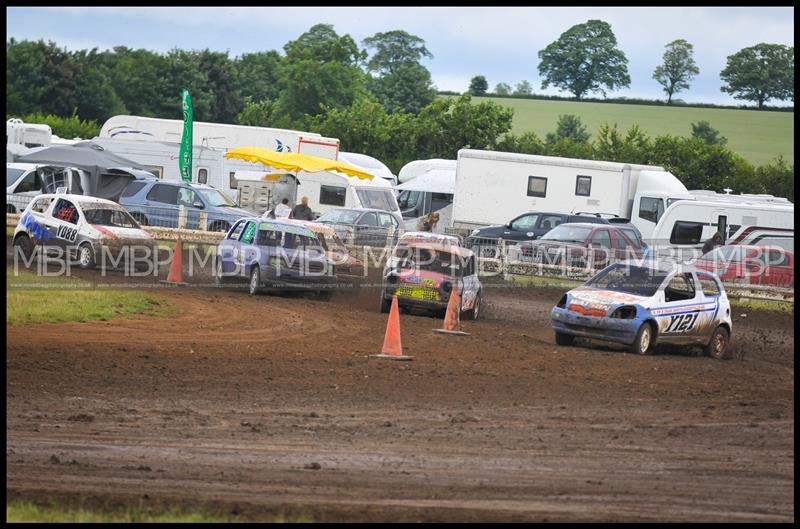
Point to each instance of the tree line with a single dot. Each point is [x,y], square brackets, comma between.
[585,59]
[378,100]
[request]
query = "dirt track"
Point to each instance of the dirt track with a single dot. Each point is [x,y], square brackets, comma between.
[271,405]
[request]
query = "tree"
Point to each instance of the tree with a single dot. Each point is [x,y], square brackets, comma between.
[523,88]
[760,73]
[400,82]
[502,89]
[97,99]
[322,43]
[40,77]
[704,131]
[408,89]
[393,50]
[584,59]
[569,127]
[257,74]
[478,86]
[678,68]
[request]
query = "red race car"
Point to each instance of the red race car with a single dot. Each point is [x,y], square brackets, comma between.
[753,265]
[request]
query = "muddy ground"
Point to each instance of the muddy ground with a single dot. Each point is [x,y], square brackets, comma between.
[272,405]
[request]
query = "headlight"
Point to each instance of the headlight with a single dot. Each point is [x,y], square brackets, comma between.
[626,312]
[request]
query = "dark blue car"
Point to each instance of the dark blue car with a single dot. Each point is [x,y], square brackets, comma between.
[158,203]
[275,255]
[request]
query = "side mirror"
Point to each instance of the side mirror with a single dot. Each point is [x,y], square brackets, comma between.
[197,204]
[508,225]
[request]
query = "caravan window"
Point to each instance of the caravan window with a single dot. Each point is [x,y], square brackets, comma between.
[684,232]
[651,209]
[332,195]
[537,186]
[156,170]
[233,183]
[202,176]
[583,186]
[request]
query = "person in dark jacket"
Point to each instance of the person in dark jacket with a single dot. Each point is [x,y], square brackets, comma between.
[302,211]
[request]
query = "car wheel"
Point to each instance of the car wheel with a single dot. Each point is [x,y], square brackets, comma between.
[85,256]
[23,242]
[473,313]
[255,280]
[717,346]
[386,304]
[643,344]
[564,339]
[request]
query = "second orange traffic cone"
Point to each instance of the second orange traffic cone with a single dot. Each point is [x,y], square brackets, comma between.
[452,318]
[392,346]
[176,268]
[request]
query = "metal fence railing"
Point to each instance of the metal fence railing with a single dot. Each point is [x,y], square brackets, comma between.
[17,203]
[182,217]
[358,235]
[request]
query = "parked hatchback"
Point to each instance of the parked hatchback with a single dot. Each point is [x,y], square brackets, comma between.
[529,226]
[363,226]
[581,244]
[157,203]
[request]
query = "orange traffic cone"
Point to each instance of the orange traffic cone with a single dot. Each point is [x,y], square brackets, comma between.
[176,268]
[392,347]
[452,318]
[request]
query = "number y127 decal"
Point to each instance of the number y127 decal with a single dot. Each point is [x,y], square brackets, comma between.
[681,322]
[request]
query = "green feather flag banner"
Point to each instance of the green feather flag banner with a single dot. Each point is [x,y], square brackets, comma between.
[185,156]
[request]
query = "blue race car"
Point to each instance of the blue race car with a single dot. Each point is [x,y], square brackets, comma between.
[640,304]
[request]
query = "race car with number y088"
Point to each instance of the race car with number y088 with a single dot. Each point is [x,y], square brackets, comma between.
[640,304]
[86,230]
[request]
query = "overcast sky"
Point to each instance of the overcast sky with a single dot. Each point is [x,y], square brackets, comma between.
[500,43]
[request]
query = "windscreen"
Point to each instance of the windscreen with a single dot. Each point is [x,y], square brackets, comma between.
[377,199]
[430,260]
[342,216]
[567,233]
[628,279]
[216,197]
[12,175]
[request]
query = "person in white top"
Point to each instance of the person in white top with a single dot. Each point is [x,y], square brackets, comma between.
[282,210]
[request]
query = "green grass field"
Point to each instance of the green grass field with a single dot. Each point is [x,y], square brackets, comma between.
[41,299]
[757,136]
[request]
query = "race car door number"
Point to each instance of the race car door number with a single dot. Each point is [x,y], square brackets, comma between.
[67,233]
[681,322]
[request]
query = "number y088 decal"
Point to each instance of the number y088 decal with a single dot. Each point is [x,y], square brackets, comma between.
[67,233]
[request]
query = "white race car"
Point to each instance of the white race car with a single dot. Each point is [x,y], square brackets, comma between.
[85,230]
[640,304]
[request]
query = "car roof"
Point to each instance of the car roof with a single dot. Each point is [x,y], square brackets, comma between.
[81,200]
[662,265]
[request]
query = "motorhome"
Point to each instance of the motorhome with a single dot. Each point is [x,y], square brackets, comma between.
[325,191]
[219,135]
[415,168]
[493,187]
[687,224]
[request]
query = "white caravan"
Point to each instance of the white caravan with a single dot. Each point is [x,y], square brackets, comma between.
[220,135]
[687,224]
[372,165]
[430,192]
[28,134]
[493,187]
[413,169]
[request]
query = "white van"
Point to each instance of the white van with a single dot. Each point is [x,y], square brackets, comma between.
[430,192]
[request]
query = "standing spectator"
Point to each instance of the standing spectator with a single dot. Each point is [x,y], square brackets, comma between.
[283,210]
[302,211]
